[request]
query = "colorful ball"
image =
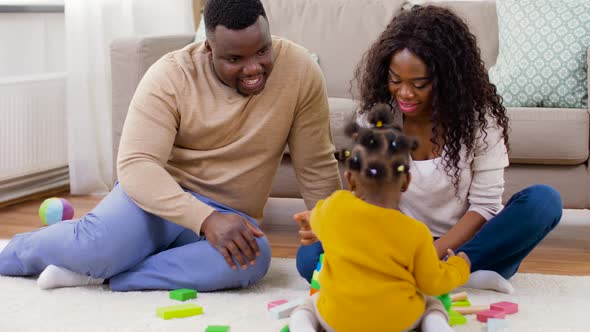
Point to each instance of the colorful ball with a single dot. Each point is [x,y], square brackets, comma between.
[54,210]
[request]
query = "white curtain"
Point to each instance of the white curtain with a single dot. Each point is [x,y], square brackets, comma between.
[91,26]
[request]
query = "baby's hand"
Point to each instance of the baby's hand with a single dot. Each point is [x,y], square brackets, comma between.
[306,235]
[463,255]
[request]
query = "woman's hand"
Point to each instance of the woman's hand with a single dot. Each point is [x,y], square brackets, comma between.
[233,236]
[306,235]
[463,255]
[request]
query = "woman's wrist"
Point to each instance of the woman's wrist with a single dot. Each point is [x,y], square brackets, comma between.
[441,249]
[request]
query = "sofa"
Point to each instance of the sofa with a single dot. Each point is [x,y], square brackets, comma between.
[548,145]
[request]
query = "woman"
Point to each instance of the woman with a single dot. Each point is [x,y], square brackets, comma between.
[427,66]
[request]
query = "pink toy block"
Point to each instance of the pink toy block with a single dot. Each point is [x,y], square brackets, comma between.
[483,316]
[273,304]
[507,307]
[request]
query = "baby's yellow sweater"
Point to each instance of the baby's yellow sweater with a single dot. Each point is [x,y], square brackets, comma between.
[377,264]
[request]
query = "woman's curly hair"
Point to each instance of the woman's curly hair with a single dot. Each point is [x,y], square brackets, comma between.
[462,94]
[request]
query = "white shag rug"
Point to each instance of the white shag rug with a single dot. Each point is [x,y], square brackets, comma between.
[547,303]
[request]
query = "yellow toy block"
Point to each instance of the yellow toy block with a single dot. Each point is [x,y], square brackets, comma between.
[179,311]
[463,303]
[316,275]
[456,318]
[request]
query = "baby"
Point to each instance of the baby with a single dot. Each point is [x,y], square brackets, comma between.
[380,267]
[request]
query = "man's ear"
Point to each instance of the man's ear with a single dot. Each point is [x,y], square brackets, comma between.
[209,50]
[350,180]
[406,182]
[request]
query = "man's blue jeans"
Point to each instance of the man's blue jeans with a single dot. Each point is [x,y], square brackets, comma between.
[132,248]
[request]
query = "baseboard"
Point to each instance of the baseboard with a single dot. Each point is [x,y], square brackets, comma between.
[22,188]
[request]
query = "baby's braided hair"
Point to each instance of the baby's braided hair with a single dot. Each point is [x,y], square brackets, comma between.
[381,152]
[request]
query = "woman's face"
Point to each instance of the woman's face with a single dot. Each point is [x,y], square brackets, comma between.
[410,84]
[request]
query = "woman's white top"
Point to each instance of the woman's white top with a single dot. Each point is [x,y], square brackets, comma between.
[431,196]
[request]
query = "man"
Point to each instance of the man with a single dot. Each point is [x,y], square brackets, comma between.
[202,141]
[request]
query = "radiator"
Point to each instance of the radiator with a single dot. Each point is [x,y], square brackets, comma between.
[33,146]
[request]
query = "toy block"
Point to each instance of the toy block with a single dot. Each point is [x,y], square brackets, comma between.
[456,318]
[312,291]
[464,303]
[483,316]
[470,310]
[318,267]
[275,303]
[315,284]
[285,328]
[217,328]
[322,258]
[446,301]
[183,294]
[179,311]
[458,296]
[316,275]
[507,307]
[495,324]
[284,310]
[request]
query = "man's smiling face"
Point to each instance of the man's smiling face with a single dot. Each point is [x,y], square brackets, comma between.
[242,59]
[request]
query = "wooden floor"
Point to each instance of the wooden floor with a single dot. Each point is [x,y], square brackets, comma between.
[567,253]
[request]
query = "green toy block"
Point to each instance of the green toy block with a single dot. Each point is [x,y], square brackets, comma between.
[179,311]
[217,328]
[183,294]
[285,328]
[315,284]
[456,318]
[322,258]
[446,301]
[464,303]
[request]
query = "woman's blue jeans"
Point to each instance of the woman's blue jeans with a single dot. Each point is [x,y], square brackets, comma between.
[501,244]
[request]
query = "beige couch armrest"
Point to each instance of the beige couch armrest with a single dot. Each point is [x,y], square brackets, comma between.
[130,59]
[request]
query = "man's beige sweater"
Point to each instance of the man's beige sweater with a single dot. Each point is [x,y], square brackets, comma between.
[186,129]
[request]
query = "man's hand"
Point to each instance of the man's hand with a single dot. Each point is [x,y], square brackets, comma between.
[463,255]
[233,236]
[306,235]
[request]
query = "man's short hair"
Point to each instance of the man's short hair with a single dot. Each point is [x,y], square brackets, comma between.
[232,14]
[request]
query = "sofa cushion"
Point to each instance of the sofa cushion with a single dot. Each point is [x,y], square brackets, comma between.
[480,17]
[542,53]
[342,110]
[549,136]
[338,31]
[570,181]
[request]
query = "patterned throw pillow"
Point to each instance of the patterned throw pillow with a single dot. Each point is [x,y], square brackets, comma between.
[542,53]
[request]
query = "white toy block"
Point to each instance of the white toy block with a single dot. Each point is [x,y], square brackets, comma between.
[284,310]
[276,303]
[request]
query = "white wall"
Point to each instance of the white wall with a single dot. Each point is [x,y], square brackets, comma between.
[31,43]
[32,2]
[151,18]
